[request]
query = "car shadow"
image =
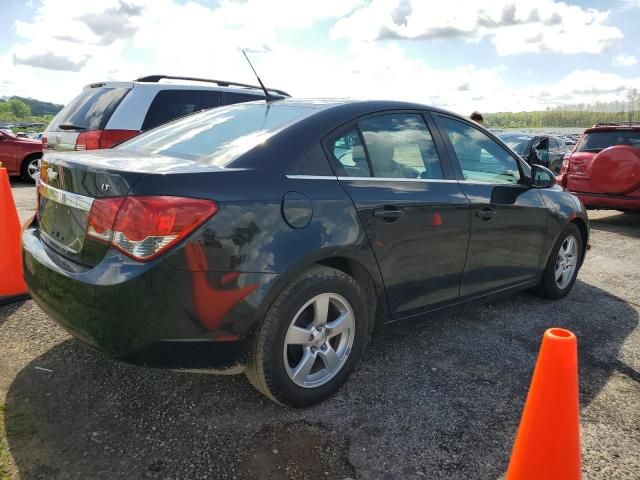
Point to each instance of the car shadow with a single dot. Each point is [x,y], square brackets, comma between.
[436,399]
[623,224]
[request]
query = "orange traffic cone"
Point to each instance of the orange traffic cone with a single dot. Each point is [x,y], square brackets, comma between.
[12,286]
[548,442]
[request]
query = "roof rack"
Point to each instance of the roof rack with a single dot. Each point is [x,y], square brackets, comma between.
[220,83]
[617,124]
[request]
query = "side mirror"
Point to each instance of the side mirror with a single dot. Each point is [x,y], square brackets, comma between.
[542,177]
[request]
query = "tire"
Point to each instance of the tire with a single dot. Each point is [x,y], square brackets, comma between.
[27,168]
[550,287]
[275,357]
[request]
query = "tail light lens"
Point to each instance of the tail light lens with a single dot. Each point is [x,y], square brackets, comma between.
[96,139]
[143,227]
[45,142]
[565,164]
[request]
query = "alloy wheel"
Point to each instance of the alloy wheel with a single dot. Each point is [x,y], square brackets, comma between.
[567,262]
[319,340]
[33,169]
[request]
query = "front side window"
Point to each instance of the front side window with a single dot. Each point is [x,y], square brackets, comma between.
[400,145]
[480,157]
[348,151]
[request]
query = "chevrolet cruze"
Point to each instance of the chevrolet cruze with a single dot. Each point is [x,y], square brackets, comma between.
[271,238]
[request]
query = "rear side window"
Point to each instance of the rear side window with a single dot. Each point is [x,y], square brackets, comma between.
[399,145]
[92,109]
[218,136]
[596,141]
[170,104]
[349,154]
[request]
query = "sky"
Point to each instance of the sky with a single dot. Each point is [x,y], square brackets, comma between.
[463,55]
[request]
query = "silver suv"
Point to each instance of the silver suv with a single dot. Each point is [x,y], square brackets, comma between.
[108,113]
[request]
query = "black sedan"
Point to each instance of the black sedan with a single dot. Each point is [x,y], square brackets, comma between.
[271,238]
[541,149]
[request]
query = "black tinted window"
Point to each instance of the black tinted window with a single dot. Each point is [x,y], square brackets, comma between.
[229,98]
[399,145]
[170,104]
[92,109]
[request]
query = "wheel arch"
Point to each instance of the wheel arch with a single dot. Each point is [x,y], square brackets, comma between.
[584,233]
[374,290]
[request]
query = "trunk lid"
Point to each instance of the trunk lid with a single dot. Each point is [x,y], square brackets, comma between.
[66,192]
[70,182]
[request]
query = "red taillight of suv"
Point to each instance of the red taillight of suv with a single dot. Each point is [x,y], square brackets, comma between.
[96,139]
[145,226]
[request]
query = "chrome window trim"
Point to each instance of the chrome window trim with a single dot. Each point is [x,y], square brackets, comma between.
[63,197]
[387,179]
[312,177]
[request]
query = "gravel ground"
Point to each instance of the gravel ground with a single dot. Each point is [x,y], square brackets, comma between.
[437,399]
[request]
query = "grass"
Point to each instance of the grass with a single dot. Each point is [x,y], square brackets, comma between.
[5,457]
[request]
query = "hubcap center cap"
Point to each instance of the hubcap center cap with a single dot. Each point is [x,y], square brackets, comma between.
[319,336]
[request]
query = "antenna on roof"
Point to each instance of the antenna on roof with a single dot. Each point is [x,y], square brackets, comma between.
[268,96]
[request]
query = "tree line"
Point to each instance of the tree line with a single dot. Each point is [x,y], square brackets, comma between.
[580,115]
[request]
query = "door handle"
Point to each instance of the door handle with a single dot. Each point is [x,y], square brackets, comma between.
[388,214]
[486,213]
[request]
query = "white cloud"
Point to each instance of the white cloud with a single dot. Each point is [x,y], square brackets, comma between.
[525,26]
[59,53]
[623,60]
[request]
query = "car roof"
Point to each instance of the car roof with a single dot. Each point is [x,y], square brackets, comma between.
[609,127]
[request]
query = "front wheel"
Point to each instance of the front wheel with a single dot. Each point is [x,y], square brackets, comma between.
[311,338]
[564,262]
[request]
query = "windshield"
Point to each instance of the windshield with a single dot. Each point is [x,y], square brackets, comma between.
[218,136]
[517,143]
[596,141]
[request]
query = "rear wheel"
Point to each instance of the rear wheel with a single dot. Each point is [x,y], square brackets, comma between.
[30,169]
[562,267]
[311,338]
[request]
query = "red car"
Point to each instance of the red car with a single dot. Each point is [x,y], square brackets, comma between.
[20,156]
[603,169]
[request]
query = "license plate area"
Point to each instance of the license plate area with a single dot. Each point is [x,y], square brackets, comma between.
[63,217]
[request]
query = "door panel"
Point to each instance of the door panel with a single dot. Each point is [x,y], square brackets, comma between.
[416,220]
[508,218]
[505,247]
[419,233]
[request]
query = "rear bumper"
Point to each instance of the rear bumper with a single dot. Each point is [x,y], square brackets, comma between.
[613,202]
[149,314]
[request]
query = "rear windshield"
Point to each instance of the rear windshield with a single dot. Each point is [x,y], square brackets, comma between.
[91,110]
[596,141]
[218,136]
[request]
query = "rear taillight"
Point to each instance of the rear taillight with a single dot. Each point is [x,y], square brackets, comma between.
[45,143]
[143,227]
[96,139]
